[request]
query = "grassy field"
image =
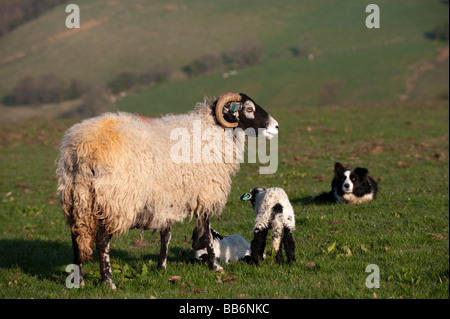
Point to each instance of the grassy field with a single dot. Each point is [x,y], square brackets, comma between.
[404,232]
[385,113]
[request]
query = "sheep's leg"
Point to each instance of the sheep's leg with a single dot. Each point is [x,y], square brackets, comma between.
[166,234]
[258,244]
[289,245]
[77,259]
[102,241]
[209,242]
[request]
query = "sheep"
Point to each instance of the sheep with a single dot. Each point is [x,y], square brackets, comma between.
[118,171]
[227,249]
[272,210]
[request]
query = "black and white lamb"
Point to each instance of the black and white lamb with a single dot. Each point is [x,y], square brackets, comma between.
[227,249]
[272,210]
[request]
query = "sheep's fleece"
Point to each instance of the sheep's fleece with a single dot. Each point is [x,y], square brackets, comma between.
[106,163]
[264,218]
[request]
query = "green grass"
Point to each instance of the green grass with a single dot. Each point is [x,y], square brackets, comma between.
[405,231]
[405,146]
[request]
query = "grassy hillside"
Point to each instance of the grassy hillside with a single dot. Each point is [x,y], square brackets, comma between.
[132,35]
[369,76]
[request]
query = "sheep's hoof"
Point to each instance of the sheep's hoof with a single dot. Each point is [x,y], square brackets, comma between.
[221,271]
[218,268]
[161,270]
[111,284]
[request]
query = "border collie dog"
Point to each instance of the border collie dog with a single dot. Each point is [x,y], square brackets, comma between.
[353,186]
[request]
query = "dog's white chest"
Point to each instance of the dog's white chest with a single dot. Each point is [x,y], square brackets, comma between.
[357,200]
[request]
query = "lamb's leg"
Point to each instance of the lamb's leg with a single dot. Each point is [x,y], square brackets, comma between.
[279,254]
[257,245]
[166,234]
[277,244]
[289,245]
[102,240]
[77,259]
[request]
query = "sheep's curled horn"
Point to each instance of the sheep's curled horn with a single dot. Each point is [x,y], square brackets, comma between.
[221,102]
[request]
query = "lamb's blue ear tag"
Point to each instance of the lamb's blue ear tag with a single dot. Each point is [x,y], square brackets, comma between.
[246,197]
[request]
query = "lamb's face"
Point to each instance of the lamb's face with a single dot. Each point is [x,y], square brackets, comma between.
[251,117]
[199,241]
[252,195]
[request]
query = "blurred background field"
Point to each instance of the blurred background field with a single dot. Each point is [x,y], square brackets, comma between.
[298,53]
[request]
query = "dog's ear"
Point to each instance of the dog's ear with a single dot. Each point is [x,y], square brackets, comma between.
[338,169]
[361,172]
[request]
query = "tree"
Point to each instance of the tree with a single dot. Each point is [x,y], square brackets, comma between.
[123,82]
[25,91]
[51,89]
[154,74]
[203,64]
[248,51]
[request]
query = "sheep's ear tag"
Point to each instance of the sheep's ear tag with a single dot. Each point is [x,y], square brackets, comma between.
[246,197]
[235,110]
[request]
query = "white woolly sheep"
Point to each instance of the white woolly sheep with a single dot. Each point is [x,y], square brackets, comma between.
[117,172]
[227,249]
[272,210]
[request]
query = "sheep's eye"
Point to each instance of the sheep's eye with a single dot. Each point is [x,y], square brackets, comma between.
[249,109]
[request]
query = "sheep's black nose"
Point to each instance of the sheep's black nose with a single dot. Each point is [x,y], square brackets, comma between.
[346,185]
[277,127]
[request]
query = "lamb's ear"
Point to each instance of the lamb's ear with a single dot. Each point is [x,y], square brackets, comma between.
[339,169]
[361,172]
[216,234]
[246,196]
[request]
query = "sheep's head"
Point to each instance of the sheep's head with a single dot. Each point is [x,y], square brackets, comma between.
[238,110]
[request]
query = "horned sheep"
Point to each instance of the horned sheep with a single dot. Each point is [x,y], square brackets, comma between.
[115,173]
[273,210]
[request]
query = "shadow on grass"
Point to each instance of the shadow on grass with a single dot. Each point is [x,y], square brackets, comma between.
[313,200]
[48,259]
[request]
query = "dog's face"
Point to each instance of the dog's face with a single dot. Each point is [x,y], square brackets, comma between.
[348,179]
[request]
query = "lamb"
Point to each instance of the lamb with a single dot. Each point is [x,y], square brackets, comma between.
[227,249]
[118,171]
[272,210]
